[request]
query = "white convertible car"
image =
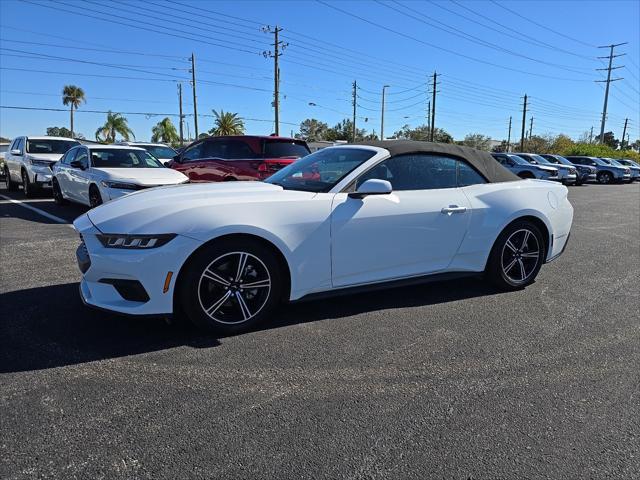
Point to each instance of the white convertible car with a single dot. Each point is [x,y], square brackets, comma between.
[225,254]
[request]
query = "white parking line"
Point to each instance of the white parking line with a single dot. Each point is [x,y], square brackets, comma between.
[37,210]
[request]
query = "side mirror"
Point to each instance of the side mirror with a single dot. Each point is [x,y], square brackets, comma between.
[372,187]
[77,164]
[177,158]
[16,151]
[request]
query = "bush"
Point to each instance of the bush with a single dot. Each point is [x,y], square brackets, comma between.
[597,150]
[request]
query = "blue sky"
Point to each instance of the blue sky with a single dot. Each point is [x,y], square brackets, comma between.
[489,54]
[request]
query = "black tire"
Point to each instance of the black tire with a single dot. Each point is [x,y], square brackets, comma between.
[605,178]
[29,189]
[58,198]
[10,185]
[231,307]
[505,265]
[95,199]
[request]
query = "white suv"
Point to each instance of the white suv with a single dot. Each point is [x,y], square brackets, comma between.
[30,160]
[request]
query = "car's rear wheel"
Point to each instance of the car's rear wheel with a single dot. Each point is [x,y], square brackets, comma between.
[605,177]
[9,184]
[517,256]
[58,198]
[95,198]
[29,189]
[230,286]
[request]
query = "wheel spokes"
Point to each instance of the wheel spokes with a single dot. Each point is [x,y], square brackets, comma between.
[511,246]
[216,306]
[214,277]
[246,313]
[530,254]
[510,266]
[242,263]
[527,233]
[258,284]
[523,273]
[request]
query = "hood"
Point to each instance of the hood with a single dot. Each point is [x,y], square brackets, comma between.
[143,176]
[47,157]
[191,208]
[547,168]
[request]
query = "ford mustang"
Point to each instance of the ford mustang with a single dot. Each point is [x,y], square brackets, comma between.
[347,217]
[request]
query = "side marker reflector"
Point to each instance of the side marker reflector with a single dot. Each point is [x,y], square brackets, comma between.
[167,282]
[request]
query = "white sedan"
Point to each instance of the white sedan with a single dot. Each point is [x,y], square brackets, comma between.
[225,254]
[94,174]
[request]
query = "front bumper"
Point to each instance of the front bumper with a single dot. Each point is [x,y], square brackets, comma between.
[105,267]
[40,175]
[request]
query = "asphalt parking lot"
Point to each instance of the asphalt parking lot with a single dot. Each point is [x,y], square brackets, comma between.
[449,380]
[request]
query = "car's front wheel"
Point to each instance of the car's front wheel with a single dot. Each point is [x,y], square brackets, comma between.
[95,198]
[58,198]
[230,286]
[605,177]
[517,256]
[9,184]
[29,189]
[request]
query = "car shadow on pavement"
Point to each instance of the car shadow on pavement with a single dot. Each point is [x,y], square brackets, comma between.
[49,327]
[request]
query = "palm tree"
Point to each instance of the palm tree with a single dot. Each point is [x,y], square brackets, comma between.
[165,131]
[227,123]
[115,124]
[72,96]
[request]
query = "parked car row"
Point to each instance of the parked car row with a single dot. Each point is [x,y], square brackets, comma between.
[570,170]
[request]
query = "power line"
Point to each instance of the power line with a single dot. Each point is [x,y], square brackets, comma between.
[453,52]
[546,27]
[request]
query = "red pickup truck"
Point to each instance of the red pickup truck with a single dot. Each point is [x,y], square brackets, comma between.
[240,157]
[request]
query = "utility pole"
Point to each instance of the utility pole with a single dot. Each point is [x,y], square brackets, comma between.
[591,135]
[611,56]
[429,116]
[433,106]
[509,137]
[384,87]
[181,115]
[278,46]
[524,121]
[355,97]
[624,132]
[195,103]
[530,127]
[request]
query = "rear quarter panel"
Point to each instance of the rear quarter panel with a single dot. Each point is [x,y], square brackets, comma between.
[495,205]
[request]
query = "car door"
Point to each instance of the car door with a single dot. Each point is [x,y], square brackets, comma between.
[78,184]
[415,230]
[192,162]
[14,160]
[62,171]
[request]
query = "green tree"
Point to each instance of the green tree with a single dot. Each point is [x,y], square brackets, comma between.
[115,124]
[72,96]
[560,143]
[313,130]
[478,141]
[344,131]
[165,131]
[609,140]
[227,123]
[58,132]
[423,133]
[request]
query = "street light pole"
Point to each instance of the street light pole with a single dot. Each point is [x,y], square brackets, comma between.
[382,117]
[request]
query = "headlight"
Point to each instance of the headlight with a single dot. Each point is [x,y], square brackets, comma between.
[113,240]
[38,163]
[120,185]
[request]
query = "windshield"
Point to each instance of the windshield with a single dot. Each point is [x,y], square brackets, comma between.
[599,161]
[613,161]
[160,151]
[322,170]
[280,149]
[50,146]
[541,160]
[123,158]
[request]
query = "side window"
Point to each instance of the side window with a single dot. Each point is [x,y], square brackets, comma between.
[20,145]
[467,175]
[194,153]
[13,145]
[230,150]
[68,157]
[81,156]
[415,172]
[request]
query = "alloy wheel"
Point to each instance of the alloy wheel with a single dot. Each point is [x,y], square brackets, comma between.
[234,288]
[520,256]
[25,184]
[94,198]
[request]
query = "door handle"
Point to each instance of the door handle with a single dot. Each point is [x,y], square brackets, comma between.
[453,209]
